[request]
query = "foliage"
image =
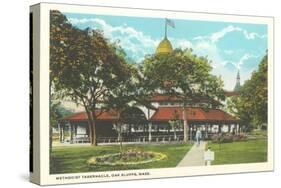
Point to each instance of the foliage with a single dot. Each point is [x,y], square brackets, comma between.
[57,111]
[184,75]
[86,68]
[227,138]
[175,123]
[251,105]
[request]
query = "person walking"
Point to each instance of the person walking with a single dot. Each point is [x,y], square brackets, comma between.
[198,136]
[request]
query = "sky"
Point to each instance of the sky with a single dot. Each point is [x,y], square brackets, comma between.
[230,46]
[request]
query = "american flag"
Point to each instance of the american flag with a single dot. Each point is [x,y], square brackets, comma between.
[170,23]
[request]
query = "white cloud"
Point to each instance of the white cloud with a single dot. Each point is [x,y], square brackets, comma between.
[132,41]
[241,61]
[181,43]
[216,36]
[244,58]
[203,45]
[253,35]
[220,34]
[220,64]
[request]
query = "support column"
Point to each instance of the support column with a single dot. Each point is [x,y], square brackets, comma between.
[149,131]
[158,129]
[190,133]
[207,130]
[60,132]
[130,131]
[211,128]
[219,128]
[119,132]
[71,132]
[87,132]
[185,125]
[75,131]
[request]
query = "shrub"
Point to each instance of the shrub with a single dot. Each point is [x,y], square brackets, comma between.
[215,138]
[239,137]
[227,138]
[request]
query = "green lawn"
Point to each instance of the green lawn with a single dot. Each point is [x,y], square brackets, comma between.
[250,151]
[74,159]
[258,134]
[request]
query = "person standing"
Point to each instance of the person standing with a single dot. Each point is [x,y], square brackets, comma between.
[198,136]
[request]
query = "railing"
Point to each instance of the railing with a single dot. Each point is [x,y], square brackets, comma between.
[139,139]
[143,138]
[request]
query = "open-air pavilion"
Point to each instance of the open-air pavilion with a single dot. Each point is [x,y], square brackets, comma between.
[156,128]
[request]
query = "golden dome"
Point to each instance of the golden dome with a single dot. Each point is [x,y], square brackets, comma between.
[164,46]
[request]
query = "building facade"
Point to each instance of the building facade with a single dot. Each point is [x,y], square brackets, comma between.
[144,124]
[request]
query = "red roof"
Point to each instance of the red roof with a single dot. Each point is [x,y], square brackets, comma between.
[168,98]
[105,116]
[166,114]
[193,114]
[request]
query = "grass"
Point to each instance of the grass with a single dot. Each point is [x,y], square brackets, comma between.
[251,151]
[258,134]
[74,159]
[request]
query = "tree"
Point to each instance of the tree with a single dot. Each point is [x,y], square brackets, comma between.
[123,97]
[175,123]
[57,112]
[85,67]
[184,75]
[251,104]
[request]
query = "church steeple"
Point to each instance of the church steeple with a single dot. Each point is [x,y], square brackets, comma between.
[237,85]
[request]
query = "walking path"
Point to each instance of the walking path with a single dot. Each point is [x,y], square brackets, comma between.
[194,157]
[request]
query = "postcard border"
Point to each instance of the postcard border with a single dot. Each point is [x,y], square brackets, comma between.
[47,178]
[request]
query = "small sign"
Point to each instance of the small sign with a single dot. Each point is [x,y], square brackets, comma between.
[209,155]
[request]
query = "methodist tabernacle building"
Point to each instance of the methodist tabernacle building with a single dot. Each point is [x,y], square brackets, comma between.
[153,123]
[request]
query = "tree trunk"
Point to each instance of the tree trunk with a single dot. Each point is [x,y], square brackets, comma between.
[93,133]
[121,139]
[92,128]
[185,125]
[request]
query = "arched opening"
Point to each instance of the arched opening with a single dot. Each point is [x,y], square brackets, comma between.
[133,115]
[134,124]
